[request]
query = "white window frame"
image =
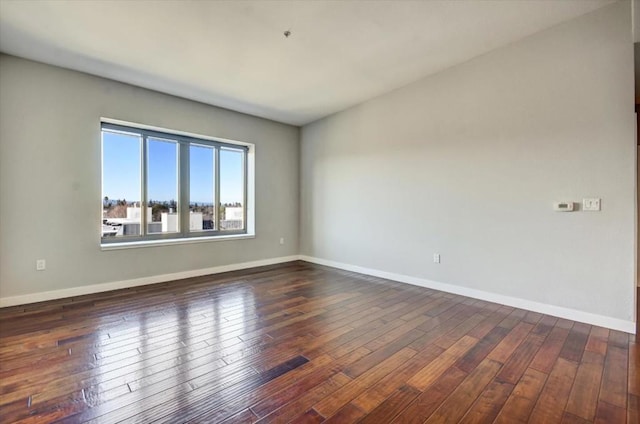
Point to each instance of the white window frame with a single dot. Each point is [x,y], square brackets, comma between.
[185,235]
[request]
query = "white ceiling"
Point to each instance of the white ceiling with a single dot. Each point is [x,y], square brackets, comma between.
[233,54]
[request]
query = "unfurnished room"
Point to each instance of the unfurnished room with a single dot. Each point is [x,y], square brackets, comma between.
[320,211]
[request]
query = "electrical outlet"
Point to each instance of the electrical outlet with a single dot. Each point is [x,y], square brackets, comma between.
[281,240]
[436,258]
[41,265]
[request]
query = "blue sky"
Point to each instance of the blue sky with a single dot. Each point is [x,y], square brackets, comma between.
[121,170]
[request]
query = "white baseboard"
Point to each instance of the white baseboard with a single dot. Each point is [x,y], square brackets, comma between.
[556,311]
[115,285]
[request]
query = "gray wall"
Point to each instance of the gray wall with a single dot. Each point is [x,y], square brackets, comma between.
[468,163]
[50,187]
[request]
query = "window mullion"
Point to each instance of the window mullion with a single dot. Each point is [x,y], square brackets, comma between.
[143,200]
[216,197]
[184,195]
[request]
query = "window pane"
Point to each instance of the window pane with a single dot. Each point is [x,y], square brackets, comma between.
[121,175]
[201,188]
[162,186]
[231,189]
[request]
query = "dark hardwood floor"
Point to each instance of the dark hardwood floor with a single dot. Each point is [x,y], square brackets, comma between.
[304,343]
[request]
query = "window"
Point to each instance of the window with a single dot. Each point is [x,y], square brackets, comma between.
[158,185]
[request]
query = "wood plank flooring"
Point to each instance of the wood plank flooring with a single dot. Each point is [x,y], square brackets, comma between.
[303,343]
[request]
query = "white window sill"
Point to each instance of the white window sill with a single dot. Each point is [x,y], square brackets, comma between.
[157,243]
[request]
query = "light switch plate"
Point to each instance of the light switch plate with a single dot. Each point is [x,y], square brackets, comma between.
[591,204]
